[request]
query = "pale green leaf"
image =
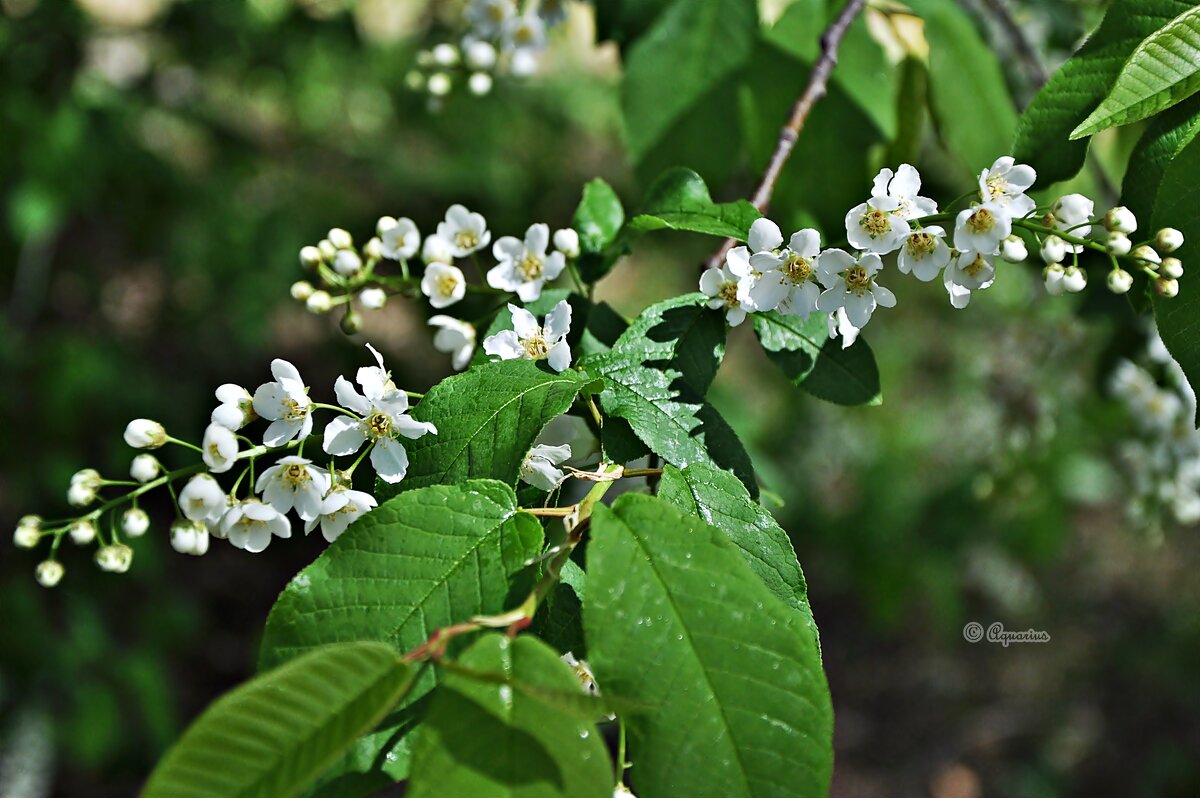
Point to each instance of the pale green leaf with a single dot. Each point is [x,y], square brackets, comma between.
[679,200]
[272,737]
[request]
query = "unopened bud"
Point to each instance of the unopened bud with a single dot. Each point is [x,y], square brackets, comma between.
[142,433]
[1146,254]
[439,84]
[352,322]
[340,238]
[479,55]
[373,249]
[82,532]
[115,559]
[49,573]
[1120,220]
[1013,249]
[135,522]
[1074,279]
[144,468]
[479,84]
[566,241]
[302,290]
[347,262]
[1054,249]
[1052,275]
[445,55]
[1120,281]
[319,302]
[1172,267]
[1168,239]
[28,532]
[327,249]
[1166,287]
[372,298]
[311,257]
[1118,244]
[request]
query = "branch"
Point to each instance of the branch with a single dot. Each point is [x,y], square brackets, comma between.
[818,81]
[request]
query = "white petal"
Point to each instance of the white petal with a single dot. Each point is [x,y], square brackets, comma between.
[389,460]
[560,356]
[349,398]
[537,238]
[343,436]
[524,324]
[504,345]
[409,427]
[764,235]
[558,321]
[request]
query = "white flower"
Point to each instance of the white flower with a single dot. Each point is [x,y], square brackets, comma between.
[454,337]
[28,532]
[721,288]
[479,83]
[115,558]
[1074,279]
[134,522]
[219,448]
[1168,239]
[372,298]
[1070,215]
[539,468]
[382,413]
[566,241]
[437,250]
[850,284]
[1005,185]
[523,63]
[202,499]
[524,33]
[897,192]
[340,509]
[347,262]
[486,17]
[968,271]
[464,231]
[142,433]
[144,468]
[982,228]
[400,237]
[84,486]
[285,404]
[250,524]
[1120,220]
[583,672]
[82,532]
[795,267]
[1013,249]
[189,537]
[840,326]
[339,238]
[443,284]
[924,253]
[294,482]
[529,341]
[236,409]
[445,54]
[525,267]
[760,285]
[876,229]
[49,573]
[765,236]
[439,84]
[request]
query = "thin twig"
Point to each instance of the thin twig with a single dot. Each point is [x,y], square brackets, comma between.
[818,81]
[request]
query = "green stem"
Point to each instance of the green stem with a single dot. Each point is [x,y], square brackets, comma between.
[185,444]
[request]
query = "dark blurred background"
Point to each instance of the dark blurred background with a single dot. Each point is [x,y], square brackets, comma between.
[161,164]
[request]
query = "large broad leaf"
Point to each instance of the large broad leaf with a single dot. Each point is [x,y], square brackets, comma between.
[1043,134]
[1178,205]
[424,560]
[1163,69]
[679,200]
[803,350]
[972,108]
[689,48]
[721,499]
[487,419]
[498,739]
[274,735]
[681,332]
[676,619]
[1163,140]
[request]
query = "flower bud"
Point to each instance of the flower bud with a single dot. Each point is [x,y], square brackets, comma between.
[84,486]
[327,249]
[28,532]
[347,262]
[566,241]
[1168,239]
[415,80]
[1166,287]
[311,257]
[82,532]
[1146,254]
[1054,249]
[439,84]
[340,238]
[1118,244]
[445,54]
[479,55]
[479,84]
[1172,267]
[425,58]
[384,224]
[1013,249]
[142,433]
[372,298]
[144,468]
[135,522]
[115,559]
[1053,277]
[1120,281]
[319,302]
[49,573]
[373,249]
[1074,279]
[185,536]
[302,290]
[352,322]
[1120,220]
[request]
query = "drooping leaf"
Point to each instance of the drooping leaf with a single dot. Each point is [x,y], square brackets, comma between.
[676,619]
[720,498]
[598,220]
[1043,133]
[803,350]
[426,559]
[1163,70]
[486,739]
[274,735]
[679,200]
[487,419]
[691,46]
[1163,140]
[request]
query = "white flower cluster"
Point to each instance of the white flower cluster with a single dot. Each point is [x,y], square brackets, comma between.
[801,277]
[1163,463]
[499,40]
[524,266]
[373,415]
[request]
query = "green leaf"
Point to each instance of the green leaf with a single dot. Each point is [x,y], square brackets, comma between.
[426,559]
[274,735]
[485,739]
[676,619]
[487,420]
[720,498]
[375,760]
[803,350]
[1163,70]
[679,200]
[690,47]
[683,332]
[598,220]
[1043,134]
[1162,142]
[972,108]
